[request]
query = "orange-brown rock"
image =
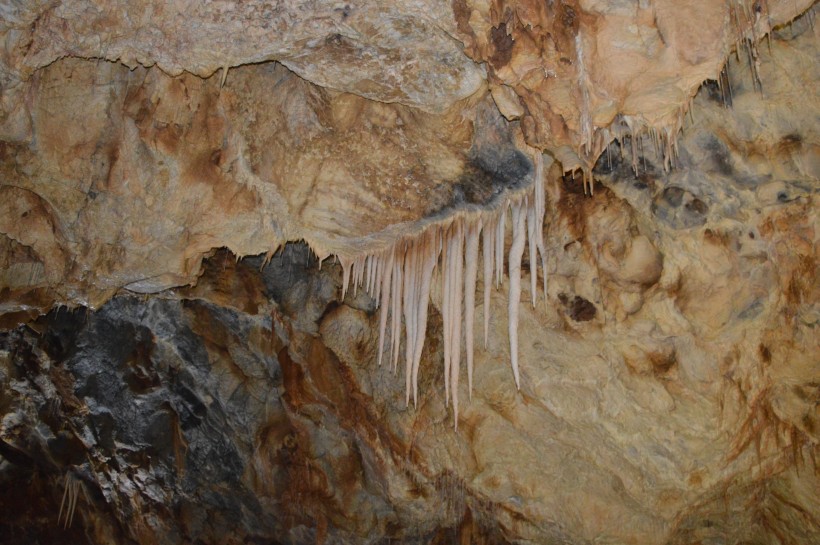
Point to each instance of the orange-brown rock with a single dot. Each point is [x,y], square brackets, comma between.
[209,383]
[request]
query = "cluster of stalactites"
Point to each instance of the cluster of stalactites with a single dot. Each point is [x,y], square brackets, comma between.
[400,278]
[663,140]
[745,16]
[642,137]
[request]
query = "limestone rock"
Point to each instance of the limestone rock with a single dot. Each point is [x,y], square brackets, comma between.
[667,348]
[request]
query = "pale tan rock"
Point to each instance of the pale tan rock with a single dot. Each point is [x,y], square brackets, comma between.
[668,380]
[598,53]
[318,40]
[631,302]
[507,102]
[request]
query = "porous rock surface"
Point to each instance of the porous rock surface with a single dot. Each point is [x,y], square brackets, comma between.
[670,382]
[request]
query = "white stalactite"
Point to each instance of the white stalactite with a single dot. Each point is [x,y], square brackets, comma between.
[395,340]
[470,276]
[358,272]
[488,240]
[384,305]
[368,285]
[540,213]
[516,252]
[400,279]
[431,252]
[531,235]
[378,273]
[409,317]
[456,315]
[446,295]
[345,277]
[499,246]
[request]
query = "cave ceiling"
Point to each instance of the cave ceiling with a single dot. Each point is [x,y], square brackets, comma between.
[639,177]
[143,135]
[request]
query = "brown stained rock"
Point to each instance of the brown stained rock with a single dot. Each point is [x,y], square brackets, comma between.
[579,67]
[578,308]
[668,382]
[306,428]
[30,222]
[223,282]
[145,173]
[320,42]
[179,166]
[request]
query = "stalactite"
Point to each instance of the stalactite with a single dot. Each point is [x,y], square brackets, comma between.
[358,273]
[446,296]
[470,277]
[430,252]
[384,305]
[409,317]
[456,314]
[368,284]
[378,273]
[531,243]
[488,241]
[418,326]
[540,213]
[516,252]
[374,281]
[499,246]
[396,310]
[634,146]
[419,316]
[400,277]
[345,277]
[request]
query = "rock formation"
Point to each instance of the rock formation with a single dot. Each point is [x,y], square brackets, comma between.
[587,230]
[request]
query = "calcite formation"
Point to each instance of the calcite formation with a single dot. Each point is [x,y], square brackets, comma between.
[224,224]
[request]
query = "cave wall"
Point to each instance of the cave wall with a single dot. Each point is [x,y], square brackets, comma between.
[137,137]
[669,375]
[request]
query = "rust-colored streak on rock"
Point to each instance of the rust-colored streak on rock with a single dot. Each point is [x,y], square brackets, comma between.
[28,219]
[340,389]
[671,368]
[502,46]
[228,283]
[296,393]
[461,14]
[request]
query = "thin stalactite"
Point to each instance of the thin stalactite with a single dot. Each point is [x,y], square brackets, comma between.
[446,294]
[456,316]
[499,246]
[540,214]
[431,253]
[358,271]
[470,277]
[488,241]
[516,252]
[378,272]
[409,317]
[384,305]
[531,243]
[346,266]
[368,285]
[395,339]
[419,326]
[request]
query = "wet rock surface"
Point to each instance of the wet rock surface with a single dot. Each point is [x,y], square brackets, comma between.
[194,422]
[669,381]
[249,407]
[136,137]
